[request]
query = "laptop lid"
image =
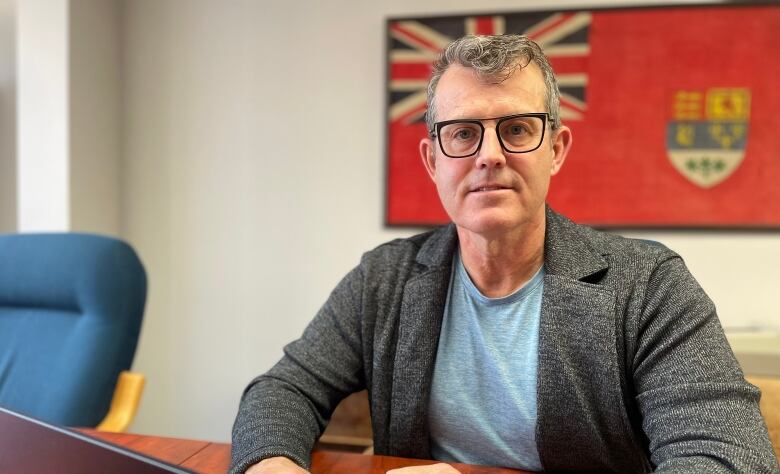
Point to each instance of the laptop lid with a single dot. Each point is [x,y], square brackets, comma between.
[29,445]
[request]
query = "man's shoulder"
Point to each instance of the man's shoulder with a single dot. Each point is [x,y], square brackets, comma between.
[612,244]
[582,252]
[428,248]
[616,244]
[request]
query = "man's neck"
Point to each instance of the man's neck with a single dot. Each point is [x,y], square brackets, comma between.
[500,265]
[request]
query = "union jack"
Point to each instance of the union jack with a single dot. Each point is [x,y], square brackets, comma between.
[414,45]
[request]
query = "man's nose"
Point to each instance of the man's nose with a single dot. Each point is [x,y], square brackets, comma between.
[490,154]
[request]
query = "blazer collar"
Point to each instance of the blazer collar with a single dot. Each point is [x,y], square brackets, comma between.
[569,250]
[438,249]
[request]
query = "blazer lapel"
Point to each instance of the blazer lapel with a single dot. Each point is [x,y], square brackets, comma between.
[422,311]
[579,408]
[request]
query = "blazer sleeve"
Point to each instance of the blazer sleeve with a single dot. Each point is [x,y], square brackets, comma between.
[284,411]
[698,412]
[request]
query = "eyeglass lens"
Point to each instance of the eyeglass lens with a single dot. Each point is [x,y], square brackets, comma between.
[518,134]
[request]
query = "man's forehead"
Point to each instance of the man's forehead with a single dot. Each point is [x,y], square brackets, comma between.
[462,92]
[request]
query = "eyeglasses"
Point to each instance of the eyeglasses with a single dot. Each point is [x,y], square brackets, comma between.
[519,133]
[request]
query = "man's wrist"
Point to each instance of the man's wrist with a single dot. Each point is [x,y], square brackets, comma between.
[275,464]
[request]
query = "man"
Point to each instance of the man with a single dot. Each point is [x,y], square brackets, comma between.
[512,337]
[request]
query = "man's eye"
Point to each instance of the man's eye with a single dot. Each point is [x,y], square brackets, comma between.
[517,130]
[464,134]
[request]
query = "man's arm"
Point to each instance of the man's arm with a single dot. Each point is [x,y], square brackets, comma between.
[283,412]
[699,413]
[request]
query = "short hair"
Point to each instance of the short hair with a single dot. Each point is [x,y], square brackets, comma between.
[495,58]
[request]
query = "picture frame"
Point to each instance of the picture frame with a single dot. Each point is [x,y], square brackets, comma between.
[673,111]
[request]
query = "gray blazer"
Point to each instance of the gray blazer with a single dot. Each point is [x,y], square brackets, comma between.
[635,373]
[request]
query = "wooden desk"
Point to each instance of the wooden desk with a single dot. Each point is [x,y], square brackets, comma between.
[212,458]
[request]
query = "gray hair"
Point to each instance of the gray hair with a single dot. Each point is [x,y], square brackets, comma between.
[495,58]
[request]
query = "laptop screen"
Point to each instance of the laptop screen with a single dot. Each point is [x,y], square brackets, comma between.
[29,445]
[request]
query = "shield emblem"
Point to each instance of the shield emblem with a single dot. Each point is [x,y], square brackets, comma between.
[706,139]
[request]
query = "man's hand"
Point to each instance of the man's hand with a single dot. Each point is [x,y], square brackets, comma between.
[277,465]
[440,468]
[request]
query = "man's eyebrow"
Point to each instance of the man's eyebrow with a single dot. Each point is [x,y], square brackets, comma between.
[470,117]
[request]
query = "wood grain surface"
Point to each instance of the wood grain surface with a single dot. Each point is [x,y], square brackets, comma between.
[211,458]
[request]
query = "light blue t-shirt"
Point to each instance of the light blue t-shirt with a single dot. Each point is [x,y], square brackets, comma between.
[483,397]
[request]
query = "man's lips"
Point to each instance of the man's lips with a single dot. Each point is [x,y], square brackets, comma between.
[481,188]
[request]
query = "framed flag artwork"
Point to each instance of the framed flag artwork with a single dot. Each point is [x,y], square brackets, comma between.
[674,111]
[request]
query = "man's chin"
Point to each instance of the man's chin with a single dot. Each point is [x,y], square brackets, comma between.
[490,223]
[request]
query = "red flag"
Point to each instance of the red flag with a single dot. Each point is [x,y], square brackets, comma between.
[675,113]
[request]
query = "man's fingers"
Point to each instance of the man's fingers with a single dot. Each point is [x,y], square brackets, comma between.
[440,468]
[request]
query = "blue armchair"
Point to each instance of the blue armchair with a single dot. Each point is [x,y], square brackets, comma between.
[70,313]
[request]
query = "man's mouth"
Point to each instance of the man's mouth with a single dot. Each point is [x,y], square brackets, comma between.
[488,187]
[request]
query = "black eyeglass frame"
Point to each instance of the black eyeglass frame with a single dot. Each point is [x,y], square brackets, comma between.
[544,116]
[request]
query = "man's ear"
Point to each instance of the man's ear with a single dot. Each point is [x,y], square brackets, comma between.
[428,158]
[560,148]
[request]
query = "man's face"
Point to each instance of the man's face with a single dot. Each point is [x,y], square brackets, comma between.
[493,192]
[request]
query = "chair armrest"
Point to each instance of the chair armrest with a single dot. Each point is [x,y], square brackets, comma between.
[124,404]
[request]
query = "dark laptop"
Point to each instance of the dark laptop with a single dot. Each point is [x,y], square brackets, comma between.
[28,445]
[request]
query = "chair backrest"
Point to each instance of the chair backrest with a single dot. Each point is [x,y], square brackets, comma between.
[70,313]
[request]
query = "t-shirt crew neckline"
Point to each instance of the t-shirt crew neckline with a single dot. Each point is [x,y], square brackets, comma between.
[517,295]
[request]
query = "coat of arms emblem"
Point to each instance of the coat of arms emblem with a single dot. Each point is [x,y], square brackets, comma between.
[707,138]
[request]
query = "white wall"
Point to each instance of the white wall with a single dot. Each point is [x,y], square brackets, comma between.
[42,115]
[67,117]
[94,128]
[7,116]
[244,227]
